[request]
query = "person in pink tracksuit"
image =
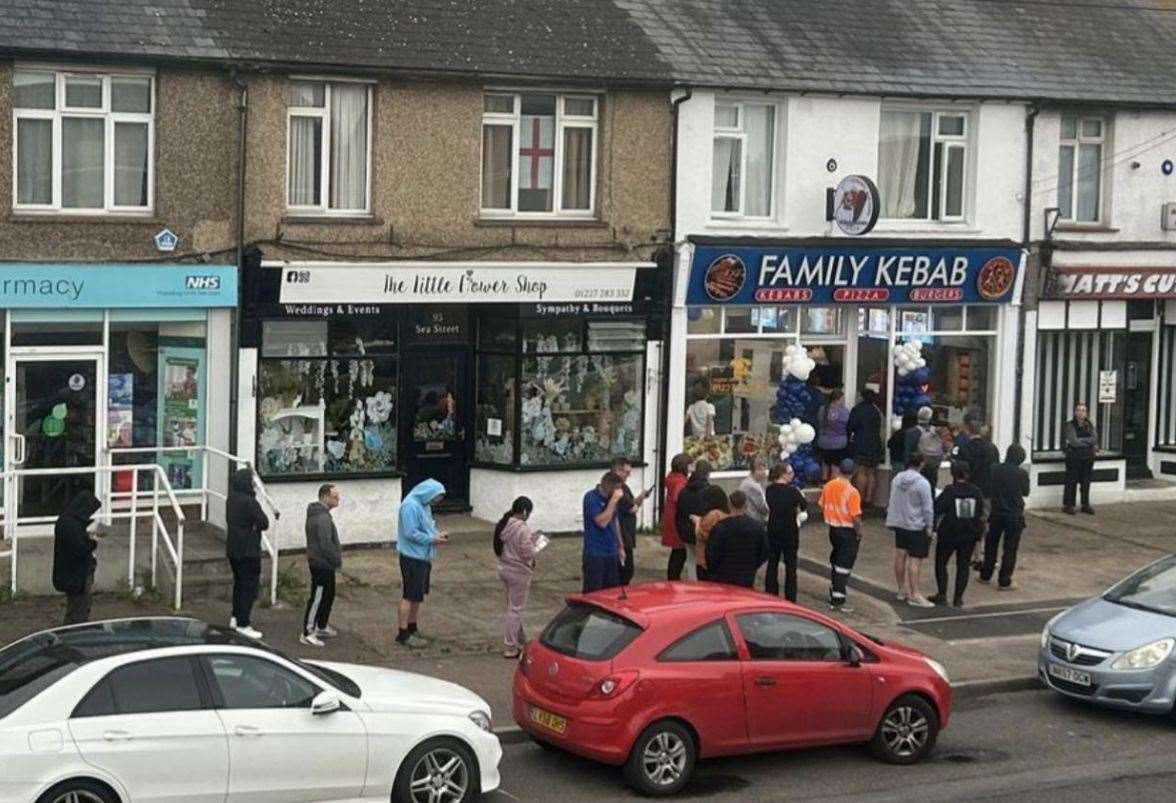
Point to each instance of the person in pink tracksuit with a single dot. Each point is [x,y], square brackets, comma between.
[514,544]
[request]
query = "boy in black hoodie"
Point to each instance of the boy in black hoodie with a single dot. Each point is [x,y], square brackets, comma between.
[73,556]
[1010,486]
[959,511]
[690,503]
[245,520]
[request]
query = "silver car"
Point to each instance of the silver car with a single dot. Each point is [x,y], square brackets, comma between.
[1117,649]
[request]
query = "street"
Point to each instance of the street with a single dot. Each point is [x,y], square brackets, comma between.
[1010,747]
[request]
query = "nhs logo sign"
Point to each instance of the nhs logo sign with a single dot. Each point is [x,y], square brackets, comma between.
[202,283]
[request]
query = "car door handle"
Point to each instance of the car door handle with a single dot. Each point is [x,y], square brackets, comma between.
[247,731]
[117,736]
[765,682]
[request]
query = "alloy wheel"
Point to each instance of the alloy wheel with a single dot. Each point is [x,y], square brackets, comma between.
[664,759]
[905,731]
[79,796]
[441,776]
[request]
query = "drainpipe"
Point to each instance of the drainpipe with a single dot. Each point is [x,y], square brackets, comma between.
[668,308]
[1019,385]
[235,332]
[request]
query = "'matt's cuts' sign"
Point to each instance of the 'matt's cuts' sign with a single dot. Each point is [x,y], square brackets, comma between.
[848,275]
[1112,283]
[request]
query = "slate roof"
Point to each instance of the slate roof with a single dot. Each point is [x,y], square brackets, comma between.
[1094,50]
[1068,50]
[576,39]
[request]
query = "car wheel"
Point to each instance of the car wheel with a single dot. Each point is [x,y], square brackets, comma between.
[661,760]
[438,771]
[907,732]
[80,790]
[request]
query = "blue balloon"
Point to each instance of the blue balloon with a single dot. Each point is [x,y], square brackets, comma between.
[923,401]
[921,376]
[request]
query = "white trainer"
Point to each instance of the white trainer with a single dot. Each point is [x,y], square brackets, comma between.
[326,632]
[233,622]
[920,602]
[249,632]
[311,640]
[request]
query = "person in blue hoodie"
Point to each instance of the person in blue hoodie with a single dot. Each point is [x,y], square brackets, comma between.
[417,541]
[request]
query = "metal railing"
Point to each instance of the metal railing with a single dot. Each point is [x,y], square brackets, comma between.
[204,491]
[159,531]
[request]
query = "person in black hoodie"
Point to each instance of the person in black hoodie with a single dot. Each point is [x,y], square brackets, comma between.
[690,503]
[981,456]
[865,444]
[737,546]
[959,510]
[245,520]
[785,505]
[73,556]
[325,557]
[1010,486]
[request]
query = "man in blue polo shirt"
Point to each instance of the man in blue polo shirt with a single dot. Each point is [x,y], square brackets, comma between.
[603,550]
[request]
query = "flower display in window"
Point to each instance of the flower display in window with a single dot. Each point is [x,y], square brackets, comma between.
[379,407]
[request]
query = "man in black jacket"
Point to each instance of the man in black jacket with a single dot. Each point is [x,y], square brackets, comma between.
[325,557]
[959,510]
[981,456]
[690,504]
[1010,486]
[737,547]
[245,520]
[73,556]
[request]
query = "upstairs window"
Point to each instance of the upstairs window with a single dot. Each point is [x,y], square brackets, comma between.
[1080,155]
[742,172]
[83,141]
[922,164]
[329,128]
[539,154]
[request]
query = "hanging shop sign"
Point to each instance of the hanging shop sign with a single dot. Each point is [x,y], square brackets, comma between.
[471,283]
[804,274]
[117,286]
[856,205]
[1076,284]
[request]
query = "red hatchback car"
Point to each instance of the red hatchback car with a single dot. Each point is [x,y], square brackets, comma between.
[658,675]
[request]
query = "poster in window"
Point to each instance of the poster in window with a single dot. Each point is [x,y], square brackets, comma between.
[181,412]
[120,414]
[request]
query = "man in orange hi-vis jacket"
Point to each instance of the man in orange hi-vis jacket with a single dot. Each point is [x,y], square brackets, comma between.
[841,506]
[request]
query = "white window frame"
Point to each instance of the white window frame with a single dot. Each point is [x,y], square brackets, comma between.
[950,142]
[104,112]
[323,208]
[737,133]
[1076,142]
[563,121]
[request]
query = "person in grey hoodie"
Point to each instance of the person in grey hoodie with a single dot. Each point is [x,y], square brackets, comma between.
[325,557]
[753,488]
[911,514]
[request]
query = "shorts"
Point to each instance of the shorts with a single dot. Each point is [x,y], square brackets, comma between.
[414,574]
[833,457]
[867,460]
[916,542]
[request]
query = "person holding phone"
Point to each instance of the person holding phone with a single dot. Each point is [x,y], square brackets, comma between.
[604,551]
[627,515]
[417,541]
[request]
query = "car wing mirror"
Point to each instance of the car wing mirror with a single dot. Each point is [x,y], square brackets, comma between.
[325,702]
[854,655]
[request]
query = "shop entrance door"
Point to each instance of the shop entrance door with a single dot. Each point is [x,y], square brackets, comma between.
[54,419]
[1136,403]
[436,410]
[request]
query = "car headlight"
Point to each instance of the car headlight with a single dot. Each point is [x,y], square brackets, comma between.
[481,719]
[1045,630]
[938,667]
[1147,656]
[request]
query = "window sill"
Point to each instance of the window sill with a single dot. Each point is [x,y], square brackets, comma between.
[541,223]
[332,220]
[1086,228]
[122,218]
[925,227]
[534,469]
[278,479]
[745,224]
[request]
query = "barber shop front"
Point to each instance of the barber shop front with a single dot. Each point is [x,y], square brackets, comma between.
[864,312]
[497,379]
[107,364]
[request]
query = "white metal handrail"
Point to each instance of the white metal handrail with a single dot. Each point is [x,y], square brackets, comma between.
[12,518]
[269,544]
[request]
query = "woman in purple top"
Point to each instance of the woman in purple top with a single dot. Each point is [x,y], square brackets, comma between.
[832,440]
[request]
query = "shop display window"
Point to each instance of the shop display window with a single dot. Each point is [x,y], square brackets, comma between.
[327,410]
[571,395]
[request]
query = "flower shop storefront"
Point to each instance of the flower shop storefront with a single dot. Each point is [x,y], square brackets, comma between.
[496,379]
[772,328]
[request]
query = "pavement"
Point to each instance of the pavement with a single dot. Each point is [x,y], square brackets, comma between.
[988,646]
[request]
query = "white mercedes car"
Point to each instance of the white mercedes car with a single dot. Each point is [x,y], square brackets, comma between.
[172,709]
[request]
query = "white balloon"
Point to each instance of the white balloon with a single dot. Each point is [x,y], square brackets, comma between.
[917,345]
[802,375]
[790,350]
[791,448]
[806,433]
[903,372]
[796,422]
[782,440]
[920,363]
[785,429]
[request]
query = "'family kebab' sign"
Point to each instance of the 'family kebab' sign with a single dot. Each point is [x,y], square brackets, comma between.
[849,275]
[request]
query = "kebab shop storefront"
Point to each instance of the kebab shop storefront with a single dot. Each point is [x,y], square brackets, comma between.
[919,323]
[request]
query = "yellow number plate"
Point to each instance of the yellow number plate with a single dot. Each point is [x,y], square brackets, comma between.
[549,720]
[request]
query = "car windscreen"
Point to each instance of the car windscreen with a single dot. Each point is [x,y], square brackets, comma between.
[1150,589]
[330,677]
[589,633]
